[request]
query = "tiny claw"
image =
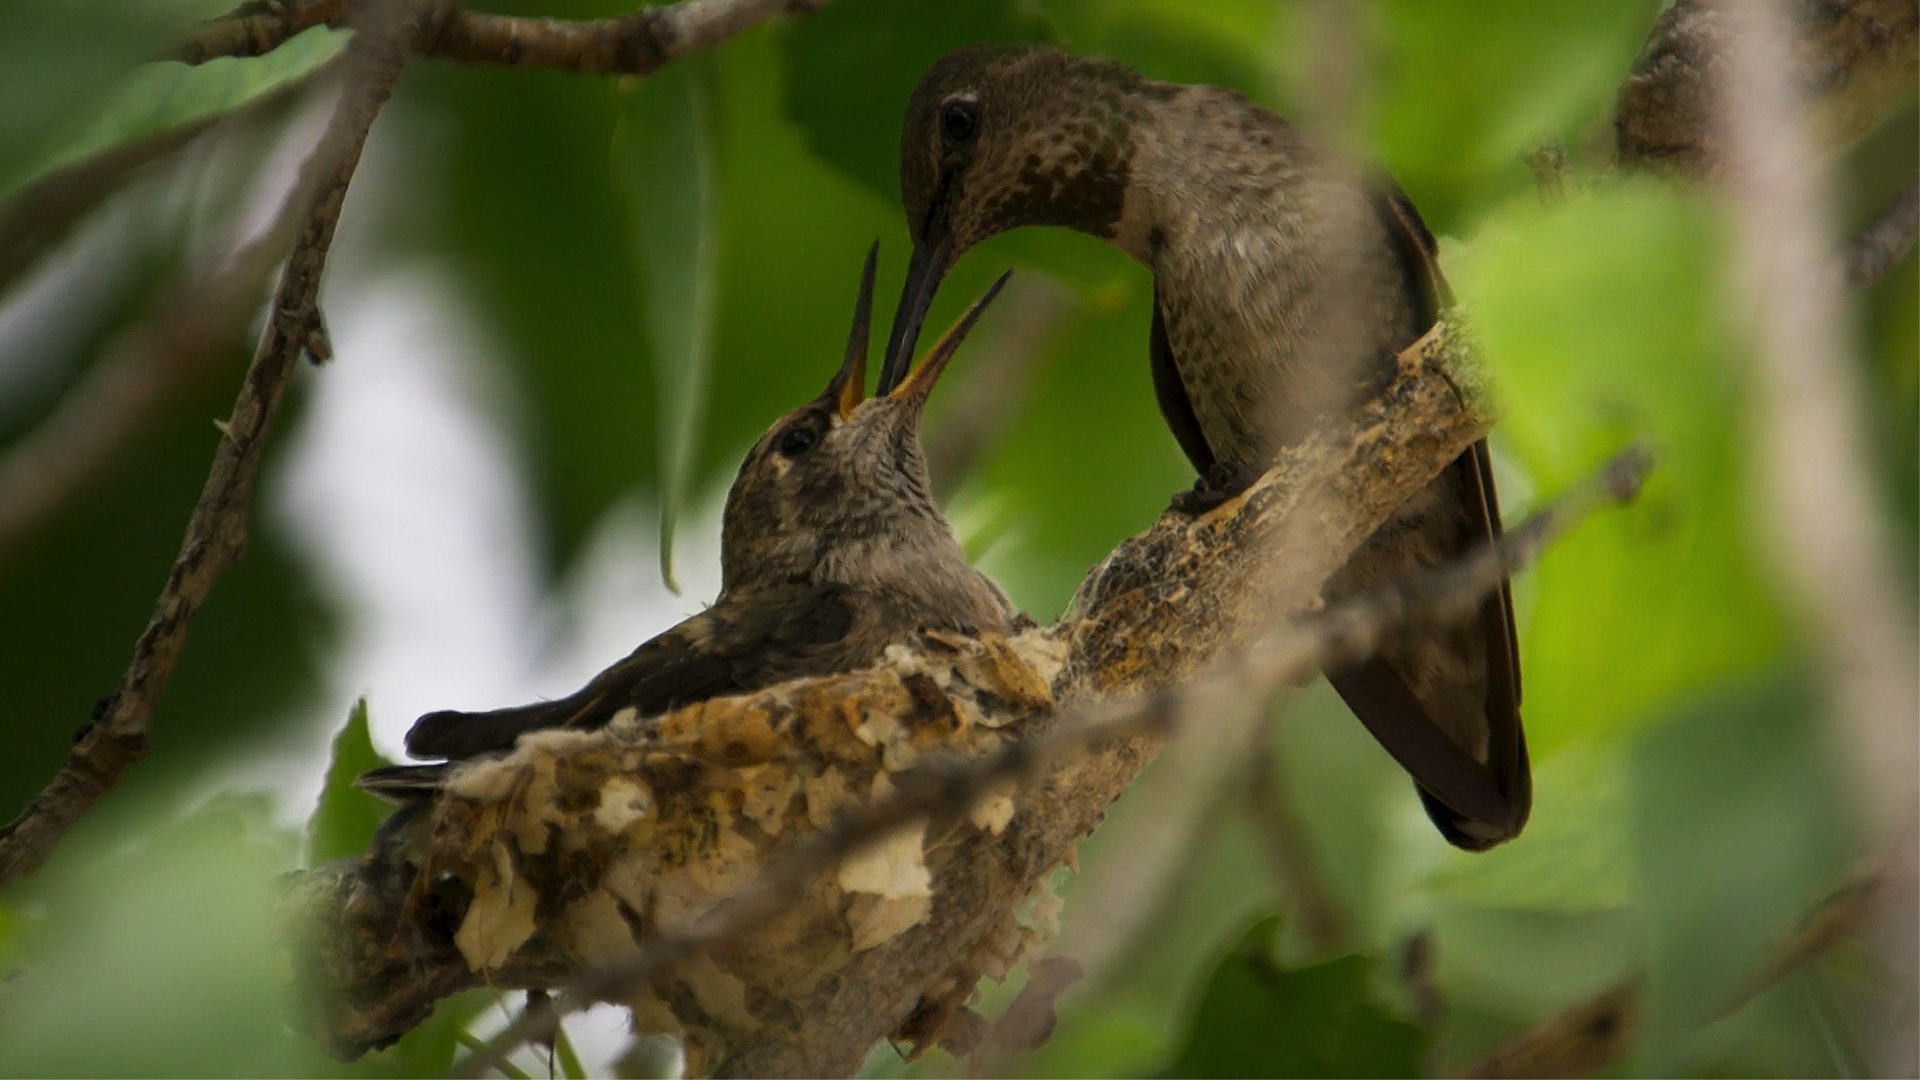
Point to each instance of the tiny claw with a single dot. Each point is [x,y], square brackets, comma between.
[1225,480]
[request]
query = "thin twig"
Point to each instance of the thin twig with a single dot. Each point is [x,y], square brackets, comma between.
[633,44]
[1338,634]
[216,534]
[1595,1031]
[1275,822]
[1826,533]
[1875,250]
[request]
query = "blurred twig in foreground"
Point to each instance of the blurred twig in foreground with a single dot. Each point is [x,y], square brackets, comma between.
[216,534]
[1829,538]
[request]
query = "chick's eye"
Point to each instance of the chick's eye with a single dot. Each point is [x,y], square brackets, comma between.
[797,441]
[960,120]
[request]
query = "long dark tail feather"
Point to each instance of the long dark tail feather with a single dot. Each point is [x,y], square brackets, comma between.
[1506,733]
[1461,795]
[1474,806]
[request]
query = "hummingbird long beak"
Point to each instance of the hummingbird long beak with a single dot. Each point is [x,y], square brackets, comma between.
[915,387]
[929,264]
[849,385]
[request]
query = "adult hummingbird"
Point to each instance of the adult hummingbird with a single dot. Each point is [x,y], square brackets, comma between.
[1285,282]
[831,549]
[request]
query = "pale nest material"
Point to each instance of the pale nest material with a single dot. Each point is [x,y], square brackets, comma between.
[592,841]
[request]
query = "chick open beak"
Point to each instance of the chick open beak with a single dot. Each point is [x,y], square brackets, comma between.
[849,385]
[917,386]
[931,257]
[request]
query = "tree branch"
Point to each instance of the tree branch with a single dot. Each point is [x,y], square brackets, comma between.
[216,535]
[633,44]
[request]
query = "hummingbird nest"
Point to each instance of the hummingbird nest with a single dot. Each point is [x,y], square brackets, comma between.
[581,850]
[579,846]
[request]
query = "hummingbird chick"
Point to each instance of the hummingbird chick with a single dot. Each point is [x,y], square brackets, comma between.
[831,549]
[1285,283]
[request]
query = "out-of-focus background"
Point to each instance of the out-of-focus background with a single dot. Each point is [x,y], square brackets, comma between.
[463,509]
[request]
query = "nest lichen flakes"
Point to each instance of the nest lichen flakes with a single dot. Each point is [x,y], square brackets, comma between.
[645,826]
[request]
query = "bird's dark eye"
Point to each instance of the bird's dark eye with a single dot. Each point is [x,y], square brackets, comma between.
[960,120]
[798,440]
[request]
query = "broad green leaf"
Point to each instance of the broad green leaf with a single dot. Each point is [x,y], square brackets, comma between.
[1094,1042]
[663,152]
[566,1057]
[852,65]
[1091,463]
[1257,1018]
[1739,829]
[346,817]
[1093,26]
[1574,855]
[83,587]
[1462,88]
[1221,44]
[159,96]
[525,213]
[1601,319]
[161,954]
[60,62]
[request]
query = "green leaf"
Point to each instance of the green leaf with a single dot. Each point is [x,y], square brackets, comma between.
[540,251]
[161,954]
[1739,828]
[663,152]
[1601,319]
[163,95]
[568,1058]
[81,589]
[346,817]
[1462,88]
[1221,44]
[1574,856]
[853,120]
[61,59]
[1257,1018]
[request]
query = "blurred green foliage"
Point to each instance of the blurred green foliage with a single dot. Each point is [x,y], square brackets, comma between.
[1257,1018]
[653,318]
[663,149]
[345,817]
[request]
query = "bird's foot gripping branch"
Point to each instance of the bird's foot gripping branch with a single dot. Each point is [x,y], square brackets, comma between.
[785,877]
